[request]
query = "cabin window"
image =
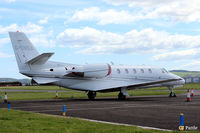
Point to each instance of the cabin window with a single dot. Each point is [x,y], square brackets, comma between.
[134,70]
[118,71]
[142,70]
[51,69]
[126,70]
[150,71]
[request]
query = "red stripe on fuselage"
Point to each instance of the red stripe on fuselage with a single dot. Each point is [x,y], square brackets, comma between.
[109,70]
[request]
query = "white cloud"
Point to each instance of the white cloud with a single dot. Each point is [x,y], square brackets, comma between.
[95,41]
[177,10]
[44,21]
[34,32]
[192,65]
[42,40]
[4,30]
[4,55]
[31,28]
[4,41]
[10,1]
[28,28]
[109,16]
[179,55]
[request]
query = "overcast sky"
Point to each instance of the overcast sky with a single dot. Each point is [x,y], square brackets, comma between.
[129,32]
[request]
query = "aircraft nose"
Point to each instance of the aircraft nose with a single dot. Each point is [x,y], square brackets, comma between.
[182,81]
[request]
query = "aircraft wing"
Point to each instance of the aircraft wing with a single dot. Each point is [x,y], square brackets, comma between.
[106,85]
[140,84]
[100,84]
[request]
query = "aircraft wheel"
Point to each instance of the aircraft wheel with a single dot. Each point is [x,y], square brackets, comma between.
[91,95]
[121,96]
[172,94]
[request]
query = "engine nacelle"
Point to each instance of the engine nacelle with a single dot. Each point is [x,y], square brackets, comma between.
[97,70]
[92,70]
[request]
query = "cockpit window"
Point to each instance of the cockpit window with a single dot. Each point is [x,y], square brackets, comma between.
[164,70]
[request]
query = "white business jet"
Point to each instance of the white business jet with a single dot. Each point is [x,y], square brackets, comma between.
[90,78]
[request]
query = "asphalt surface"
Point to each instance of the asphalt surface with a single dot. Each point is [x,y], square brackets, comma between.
[151,111]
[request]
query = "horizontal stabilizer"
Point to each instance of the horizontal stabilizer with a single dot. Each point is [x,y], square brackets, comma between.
[42,80]
[40,59]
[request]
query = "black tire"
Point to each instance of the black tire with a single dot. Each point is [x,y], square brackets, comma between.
[172,94]
[121,96]
[91,95]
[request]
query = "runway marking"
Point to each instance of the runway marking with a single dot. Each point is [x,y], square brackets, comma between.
[121,124]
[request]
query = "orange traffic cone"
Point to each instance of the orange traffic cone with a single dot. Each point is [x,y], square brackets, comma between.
[188,96]
[192,92]
[56,94]
[5,98]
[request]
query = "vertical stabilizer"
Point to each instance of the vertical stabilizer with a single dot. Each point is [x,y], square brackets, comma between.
[23,49]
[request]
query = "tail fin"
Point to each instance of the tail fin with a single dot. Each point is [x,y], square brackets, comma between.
[23,49]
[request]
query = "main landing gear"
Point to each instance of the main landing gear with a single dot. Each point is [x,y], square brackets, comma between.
[91,95]
[172,94]
[122,94]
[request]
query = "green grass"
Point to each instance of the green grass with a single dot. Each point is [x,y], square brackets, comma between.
[191,85]
[81,94]
[78,94]
[43,95]
[13,121]
[34,88]
[183,74]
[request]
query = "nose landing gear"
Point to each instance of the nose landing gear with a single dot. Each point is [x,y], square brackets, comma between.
[172,94]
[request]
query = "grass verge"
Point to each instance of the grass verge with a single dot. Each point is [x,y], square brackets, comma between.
[14,121]
[22,95]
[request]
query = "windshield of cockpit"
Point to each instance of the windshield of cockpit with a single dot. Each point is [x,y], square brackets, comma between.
[164,70]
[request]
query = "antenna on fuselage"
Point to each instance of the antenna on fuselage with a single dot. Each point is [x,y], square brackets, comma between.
[112,63]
